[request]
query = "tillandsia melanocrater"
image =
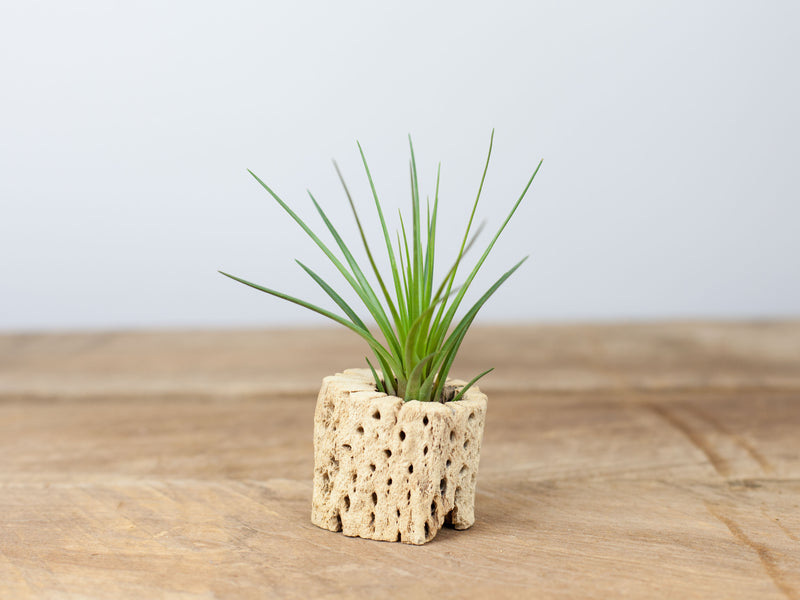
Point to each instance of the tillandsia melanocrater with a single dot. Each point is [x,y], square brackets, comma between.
[416,321]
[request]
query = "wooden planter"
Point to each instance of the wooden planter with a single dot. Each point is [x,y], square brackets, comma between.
[390,470]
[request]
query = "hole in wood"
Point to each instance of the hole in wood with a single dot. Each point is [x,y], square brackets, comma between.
[425,451]
[410,468]
[448,463]
[360,430]
[374,498]
[443,486]
[347,503]
[389,481]
[433,509]
[425,420]
[376,414]
[347,447]
[471,417]
[388,453]
[372,467]
[402,435]
[452,436]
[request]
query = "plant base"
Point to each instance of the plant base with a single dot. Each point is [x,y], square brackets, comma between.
[390,470]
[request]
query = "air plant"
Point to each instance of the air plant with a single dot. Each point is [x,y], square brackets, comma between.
[415,317]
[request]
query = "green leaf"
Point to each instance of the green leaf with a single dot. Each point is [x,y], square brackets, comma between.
[471,382]
[334,296]
[430,250]
[416,234]
[415,379]
[453,343]
[378,381]
[457,300]
[387,239]
[364,289]
[386,295]
[472,214]
[364,333]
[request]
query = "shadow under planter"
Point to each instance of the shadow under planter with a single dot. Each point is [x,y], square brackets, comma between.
[386,469]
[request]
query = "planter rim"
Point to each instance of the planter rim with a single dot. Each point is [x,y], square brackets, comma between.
[367,384]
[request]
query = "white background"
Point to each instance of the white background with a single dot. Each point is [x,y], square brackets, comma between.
[669,130]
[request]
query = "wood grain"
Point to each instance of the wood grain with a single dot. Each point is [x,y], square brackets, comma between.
[647,461]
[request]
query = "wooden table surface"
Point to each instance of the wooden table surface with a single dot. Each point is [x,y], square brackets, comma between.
[645,461]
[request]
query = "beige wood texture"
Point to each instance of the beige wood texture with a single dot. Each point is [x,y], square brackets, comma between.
[646,461]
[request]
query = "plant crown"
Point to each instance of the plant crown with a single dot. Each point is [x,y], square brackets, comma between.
[420,341]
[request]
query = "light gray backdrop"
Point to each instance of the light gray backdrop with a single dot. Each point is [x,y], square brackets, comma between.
[669,131]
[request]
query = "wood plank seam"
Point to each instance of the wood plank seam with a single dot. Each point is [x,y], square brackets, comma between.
[765,554]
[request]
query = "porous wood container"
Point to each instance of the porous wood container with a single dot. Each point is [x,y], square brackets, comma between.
[390,470]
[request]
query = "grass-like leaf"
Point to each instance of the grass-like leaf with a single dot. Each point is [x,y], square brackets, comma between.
[420,342]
